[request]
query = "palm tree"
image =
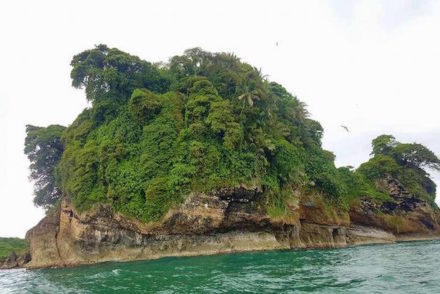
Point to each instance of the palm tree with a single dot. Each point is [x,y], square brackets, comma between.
[250,97]
[252,87]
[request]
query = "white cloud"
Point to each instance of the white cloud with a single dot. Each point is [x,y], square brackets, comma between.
[371,65]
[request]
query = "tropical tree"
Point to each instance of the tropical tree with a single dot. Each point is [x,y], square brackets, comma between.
[44,147]
[407,162]
[251,87]
[110,73]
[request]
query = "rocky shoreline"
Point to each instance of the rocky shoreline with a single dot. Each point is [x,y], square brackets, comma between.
[15,261]
[365,236]
[229,221]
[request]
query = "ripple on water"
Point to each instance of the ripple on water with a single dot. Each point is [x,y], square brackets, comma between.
[404,267]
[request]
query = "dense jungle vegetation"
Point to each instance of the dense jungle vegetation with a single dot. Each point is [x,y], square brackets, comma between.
[202,121]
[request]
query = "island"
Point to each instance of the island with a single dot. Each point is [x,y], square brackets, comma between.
[204,155]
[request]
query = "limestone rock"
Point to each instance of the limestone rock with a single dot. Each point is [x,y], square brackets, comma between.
[227,221]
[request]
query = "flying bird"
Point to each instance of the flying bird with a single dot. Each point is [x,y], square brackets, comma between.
[345,128]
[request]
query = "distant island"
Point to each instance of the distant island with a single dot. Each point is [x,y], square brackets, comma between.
[204,155]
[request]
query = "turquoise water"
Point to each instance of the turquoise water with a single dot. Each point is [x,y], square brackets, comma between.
[412,267]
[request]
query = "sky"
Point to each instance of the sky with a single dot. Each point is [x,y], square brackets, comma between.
[370,65]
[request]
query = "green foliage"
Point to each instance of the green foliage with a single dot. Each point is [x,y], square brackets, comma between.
[8,245]
[357,185]
[277,203]
[108,73]
[383,144]
[44,147]
[144,105]
[405,162]
[379,166]
[202,122]
[288,164]
[408,155]
[323,173]
[416,156]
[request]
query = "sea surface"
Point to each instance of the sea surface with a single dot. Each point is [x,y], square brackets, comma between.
[410,267]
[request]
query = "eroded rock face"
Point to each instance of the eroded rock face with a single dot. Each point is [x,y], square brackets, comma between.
[406,215]
[230,220]
[43,240]
[204,224]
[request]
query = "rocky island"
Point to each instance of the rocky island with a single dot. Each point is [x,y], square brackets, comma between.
[205,155]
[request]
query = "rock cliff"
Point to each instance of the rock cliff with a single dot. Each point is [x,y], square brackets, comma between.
[408,217]
[228,221]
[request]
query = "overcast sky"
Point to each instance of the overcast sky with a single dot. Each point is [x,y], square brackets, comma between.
[370,65]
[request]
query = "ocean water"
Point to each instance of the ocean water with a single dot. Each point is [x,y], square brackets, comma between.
[411,267]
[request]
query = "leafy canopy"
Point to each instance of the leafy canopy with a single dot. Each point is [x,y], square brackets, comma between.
[407,162]
[110,73]
[201,122]
[44,147]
